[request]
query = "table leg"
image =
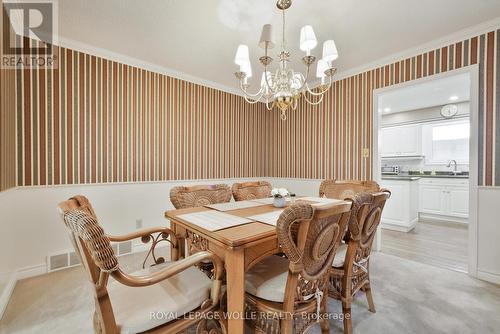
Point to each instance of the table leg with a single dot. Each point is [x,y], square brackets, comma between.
[235,274]
[174,251]
[180,251]
[182,247]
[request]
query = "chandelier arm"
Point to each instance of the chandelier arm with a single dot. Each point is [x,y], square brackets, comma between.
[306,77]
[311,102]
[252,101]
[267,105]
[271,90]
[250,95]
[323,91]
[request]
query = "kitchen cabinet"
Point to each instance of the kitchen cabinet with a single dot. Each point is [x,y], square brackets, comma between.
[459,203]
[444,199]
[401,209]
[431,199]
[405,140]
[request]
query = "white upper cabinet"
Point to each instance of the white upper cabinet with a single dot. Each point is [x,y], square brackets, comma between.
[402,141]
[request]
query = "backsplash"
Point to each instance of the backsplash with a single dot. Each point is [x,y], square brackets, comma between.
[419,165]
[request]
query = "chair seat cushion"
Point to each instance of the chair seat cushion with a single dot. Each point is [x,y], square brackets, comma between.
[267,279]
[140,309]
[338,261]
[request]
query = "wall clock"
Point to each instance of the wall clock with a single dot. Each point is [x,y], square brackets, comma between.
[449,110]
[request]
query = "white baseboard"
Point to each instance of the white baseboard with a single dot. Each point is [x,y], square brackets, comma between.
[140,247]
[31,271]
[398,226]
[41,269]
[489,277]
[447,219]
[7,293]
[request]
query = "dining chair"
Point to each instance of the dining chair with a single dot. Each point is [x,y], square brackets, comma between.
[193,196]
[350,270]
[347,188]
[251,190]
[155,235]
[289,294]
[189,197]
[160,299]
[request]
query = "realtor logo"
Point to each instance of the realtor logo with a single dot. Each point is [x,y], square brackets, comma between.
[29,29]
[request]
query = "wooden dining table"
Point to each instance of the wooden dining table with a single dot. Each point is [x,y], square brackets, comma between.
[240,247]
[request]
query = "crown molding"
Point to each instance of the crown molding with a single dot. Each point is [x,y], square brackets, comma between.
[458,36]
[127,60]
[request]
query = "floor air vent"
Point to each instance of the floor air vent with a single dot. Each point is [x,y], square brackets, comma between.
[70,259]
[58,261]
[125,248]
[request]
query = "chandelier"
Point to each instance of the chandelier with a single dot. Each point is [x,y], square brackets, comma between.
[284,87]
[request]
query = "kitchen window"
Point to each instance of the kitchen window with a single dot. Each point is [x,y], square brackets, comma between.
[447,141]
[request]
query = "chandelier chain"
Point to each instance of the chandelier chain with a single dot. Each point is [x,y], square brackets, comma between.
[283,41]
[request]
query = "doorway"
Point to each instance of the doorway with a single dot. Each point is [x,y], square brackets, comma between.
[425,152]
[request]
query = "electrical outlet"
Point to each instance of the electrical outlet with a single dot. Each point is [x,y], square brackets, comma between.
[138,223]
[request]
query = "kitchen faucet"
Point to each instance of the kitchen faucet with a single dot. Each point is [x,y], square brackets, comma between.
[454,162]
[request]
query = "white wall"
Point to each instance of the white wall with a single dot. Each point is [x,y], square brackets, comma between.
[30,227]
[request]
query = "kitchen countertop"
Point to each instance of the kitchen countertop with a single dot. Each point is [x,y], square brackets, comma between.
[407,177]
[401,177]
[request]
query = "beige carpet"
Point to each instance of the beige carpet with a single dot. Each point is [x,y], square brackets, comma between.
[410,298]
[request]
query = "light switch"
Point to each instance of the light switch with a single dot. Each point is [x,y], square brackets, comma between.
[366,152]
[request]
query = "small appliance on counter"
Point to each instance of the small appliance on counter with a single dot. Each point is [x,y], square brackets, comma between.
[390,170]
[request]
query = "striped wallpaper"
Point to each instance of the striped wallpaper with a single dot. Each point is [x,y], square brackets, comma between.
[7,123]
[7,130]
[98,121]
[327,141]
[94,120]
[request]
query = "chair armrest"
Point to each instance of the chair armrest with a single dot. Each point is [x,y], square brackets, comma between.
[175,268]
[384,190]
[148,235]
[142,233]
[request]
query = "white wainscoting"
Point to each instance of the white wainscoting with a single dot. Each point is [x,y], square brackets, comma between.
[299,187]
[488,238]
[30,228]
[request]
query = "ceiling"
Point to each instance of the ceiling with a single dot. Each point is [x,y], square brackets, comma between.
[199,38]
[451,89]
